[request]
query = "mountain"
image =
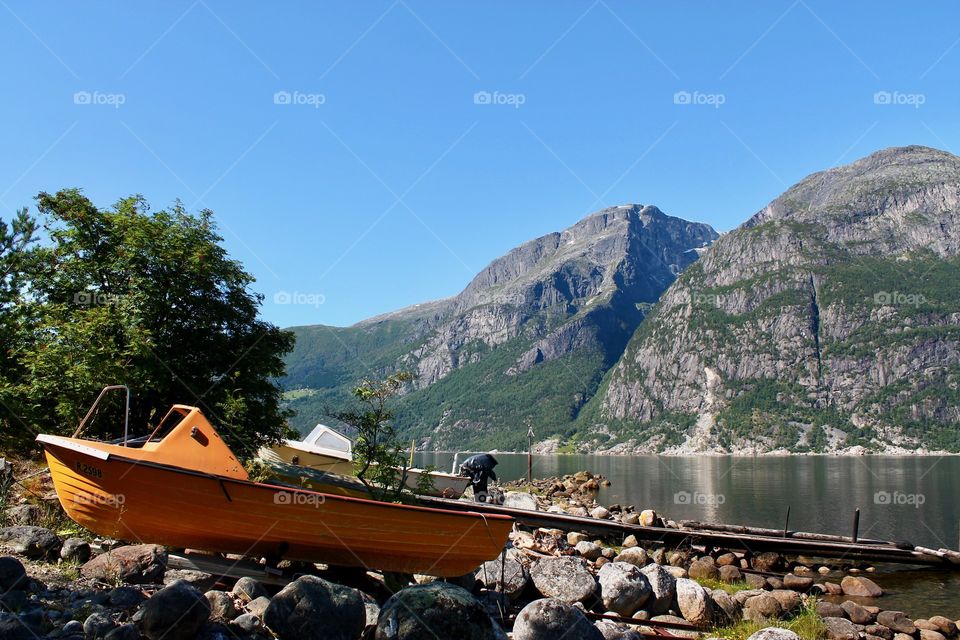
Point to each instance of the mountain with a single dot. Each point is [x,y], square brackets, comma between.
[527,341]
[828,321]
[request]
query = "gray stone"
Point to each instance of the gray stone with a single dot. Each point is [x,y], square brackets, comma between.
[797,583]
[623,588]
[98,625]
[840,629]
[550,619]
[897,622]
[222,606]
[247,623]
[176,612]
[944,625]
[310,607]
[124,632]
[703,569]
[75,550]
[930,634]
[616,631]
[12,628]
[520,500]
[124,597]
[663,586]
[634,555]
[826,609]
[693,602]
[856,613]
[767,561]
[755,581]
[134,564]
[248,589]
[879,631]
[680,633]
[12,575]
[429,611]
[258,606]
[859,586]
[32,542]
[762,607]
[726,610]
[774,633]
[730,573]
[565,578]
[789,601]
[589,550]
[515,575]
[601,513]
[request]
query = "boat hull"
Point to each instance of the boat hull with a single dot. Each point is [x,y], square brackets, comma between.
[142,501]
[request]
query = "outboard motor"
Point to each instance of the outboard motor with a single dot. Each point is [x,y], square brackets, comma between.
[479,469]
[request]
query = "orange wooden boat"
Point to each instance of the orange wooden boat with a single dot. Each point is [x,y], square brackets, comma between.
[185,489]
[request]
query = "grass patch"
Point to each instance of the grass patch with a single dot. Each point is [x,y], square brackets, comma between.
[806,624]
[729,587]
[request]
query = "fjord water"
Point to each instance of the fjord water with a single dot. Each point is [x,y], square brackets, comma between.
[915,498]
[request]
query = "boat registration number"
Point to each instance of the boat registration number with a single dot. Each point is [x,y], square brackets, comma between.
[86,469]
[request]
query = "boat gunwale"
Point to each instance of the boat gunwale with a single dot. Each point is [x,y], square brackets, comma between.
[77,445]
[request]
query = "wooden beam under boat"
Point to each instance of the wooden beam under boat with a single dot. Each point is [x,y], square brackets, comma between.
[861,551]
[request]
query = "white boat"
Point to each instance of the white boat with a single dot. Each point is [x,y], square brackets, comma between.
[326,450]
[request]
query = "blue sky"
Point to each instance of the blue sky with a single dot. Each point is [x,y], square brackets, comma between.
[363,156]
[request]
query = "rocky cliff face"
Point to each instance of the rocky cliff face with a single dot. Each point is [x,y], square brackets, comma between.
[829,320]
[529,337]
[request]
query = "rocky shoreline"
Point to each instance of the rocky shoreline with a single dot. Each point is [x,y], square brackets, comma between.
[547,584]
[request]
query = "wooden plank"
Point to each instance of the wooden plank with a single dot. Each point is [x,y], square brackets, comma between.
[677,537]
[224,567]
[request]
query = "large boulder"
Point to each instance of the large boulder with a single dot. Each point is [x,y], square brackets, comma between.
[703,569]
[508,567]
[946,626]
[774,633]
[789,601]
[896,621]
[12,628]
[589,550]
[31,542]
[693,602]
[726,610]
[249,589]
[134,564]
[616,631]
[856,613]
[176,612]
[634,555]
[565,578]
[663,587]
[222,606]
[310,608]
[98,625]
[75,550]
[550,619]
[797,583]
[435,610]
[623,588]
[767,561]
[13,577]
[840,629]
[520,500]
[730,573]
[858,586]
[762,607]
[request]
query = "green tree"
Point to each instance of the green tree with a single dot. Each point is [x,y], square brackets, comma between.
[151,300]
[16,261]
[379,459]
